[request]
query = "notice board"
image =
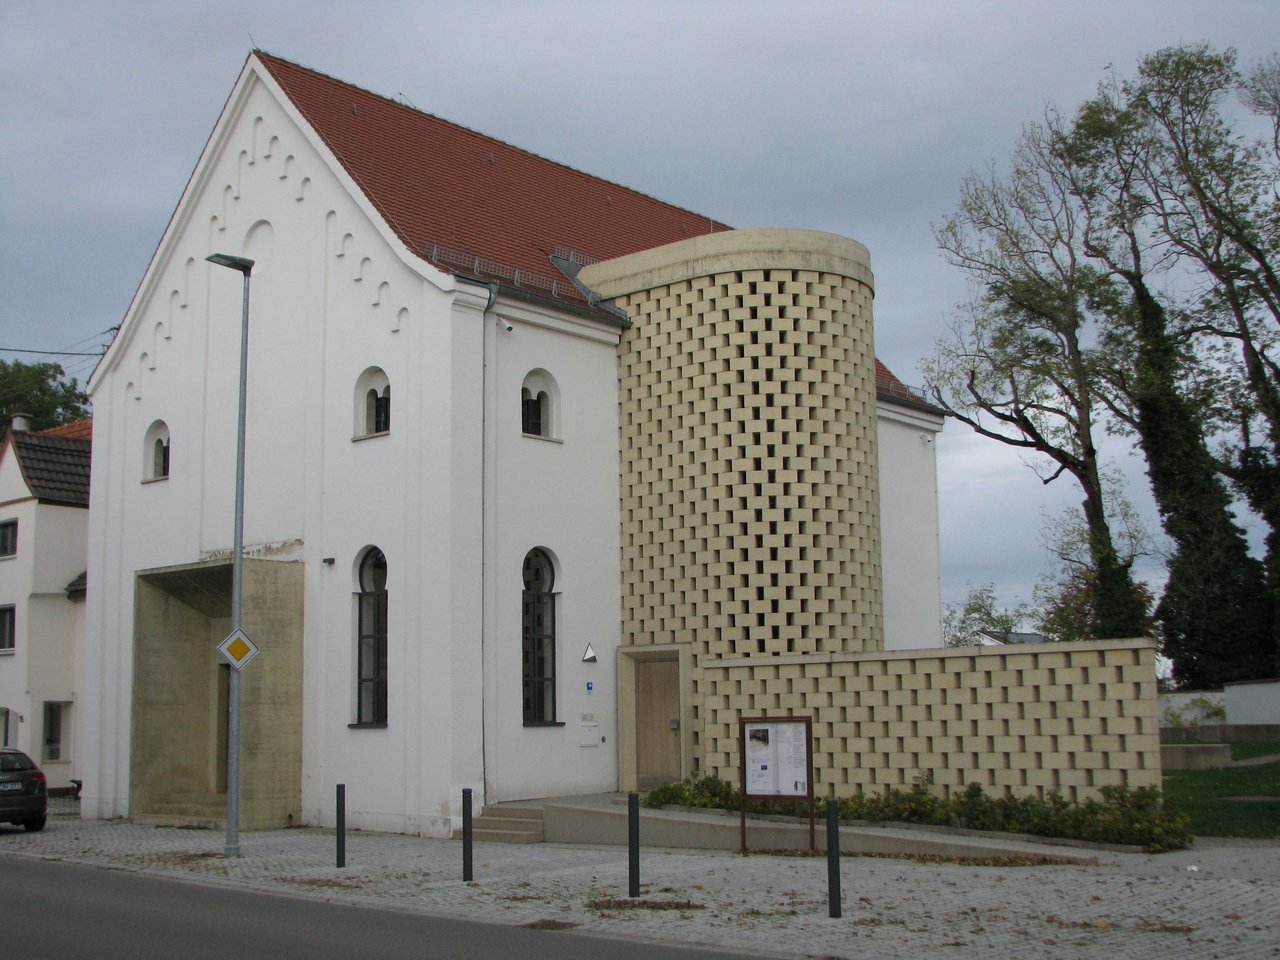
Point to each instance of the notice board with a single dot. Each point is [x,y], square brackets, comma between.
[775,760]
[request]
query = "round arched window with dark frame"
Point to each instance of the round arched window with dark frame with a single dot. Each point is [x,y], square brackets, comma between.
[371,642]
[538,639]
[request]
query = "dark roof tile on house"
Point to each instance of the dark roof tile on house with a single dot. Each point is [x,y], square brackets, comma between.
[78,586]
[55,462]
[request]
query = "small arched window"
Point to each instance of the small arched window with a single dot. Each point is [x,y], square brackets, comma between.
[538,638]
[540,405]
[373,404]
[371,640]
[155,452]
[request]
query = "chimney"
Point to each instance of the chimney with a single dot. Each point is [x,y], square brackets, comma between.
[20,423]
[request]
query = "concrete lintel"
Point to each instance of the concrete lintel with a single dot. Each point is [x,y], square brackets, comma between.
[769,248]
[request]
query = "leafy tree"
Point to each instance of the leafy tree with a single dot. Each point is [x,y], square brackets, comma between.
[965,624]
[1017,366]
[1216,614]
[41,391]
[1064,603]
[1127,275]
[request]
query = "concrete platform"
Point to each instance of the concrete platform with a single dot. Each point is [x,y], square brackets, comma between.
[602,819]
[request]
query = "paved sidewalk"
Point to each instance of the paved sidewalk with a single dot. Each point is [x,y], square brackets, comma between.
[1220,899]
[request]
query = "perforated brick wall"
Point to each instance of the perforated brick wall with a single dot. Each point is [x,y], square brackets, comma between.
[1075,717]
[750,518]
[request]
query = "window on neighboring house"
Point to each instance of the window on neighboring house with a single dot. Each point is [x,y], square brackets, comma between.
[539,405]
[373,404]
[8,629]
[8,538]
[4,727]
[56,729]
[371,640]
[538,640]
[156,452]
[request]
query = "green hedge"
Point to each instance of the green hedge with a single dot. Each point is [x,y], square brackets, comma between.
[1137,817]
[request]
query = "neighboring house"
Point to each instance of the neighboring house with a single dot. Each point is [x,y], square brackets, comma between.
[44,523]
[548,482]
[990,637]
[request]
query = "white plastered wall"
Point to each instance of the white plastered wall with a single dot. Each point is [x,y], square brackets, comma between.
[560,494]
[332,294]
[909,526]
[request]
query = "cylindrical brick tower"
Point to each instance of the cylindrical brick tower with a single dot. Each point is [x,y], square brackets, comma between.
[750,506]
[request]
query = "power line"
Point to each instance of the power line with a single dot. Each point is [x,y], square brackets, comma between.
[51,353]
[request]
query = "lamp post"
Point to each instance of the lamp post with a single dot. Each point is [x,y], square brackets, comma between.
[245,267]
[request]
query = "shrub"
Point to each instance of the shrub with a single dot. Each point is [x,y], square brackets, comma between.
[1136,817]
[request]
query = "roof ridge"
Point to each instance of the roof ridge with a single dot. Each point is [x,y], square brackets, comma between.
[267,55]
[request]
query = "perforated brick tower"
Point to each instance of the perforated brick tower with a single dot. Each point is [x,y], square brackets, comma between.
[750,507]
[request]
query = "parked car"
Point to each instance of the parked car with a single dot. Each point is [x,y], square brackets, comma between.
[24,790]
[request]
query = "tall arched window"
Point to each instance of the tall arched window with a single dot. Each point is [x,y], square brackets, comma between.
[373,404]
[538,640]
[155,452]
[539,405]
[371,640]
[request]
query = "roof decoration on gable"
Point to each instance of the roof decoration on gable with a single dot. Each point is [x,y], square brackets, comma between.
[55,462]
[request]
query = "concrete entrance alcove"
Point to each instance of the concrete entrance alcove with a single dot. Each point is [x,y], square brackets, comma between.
[180,684]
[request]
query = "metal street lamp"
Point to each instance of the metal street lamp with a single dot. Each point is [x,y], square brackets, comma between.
[245,267]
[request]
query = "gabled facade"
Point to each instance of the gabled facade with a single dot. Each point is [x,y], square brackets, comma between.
[44,521]
[488,504]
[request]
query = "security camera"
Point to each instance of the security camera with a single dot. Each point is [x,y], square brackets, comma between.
[506,327]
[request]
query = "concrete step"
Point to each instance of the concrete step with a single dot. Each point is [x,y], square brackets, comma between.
[502,824]
[505,836]
[185,821]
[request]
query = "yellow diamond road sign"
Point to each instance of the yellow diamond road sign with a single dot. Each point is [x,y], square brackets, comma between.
[238,649]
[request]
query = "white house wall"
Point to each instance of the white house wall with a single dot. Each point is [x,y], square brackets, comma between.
[330,297]
[15,588]
[560,494]
[42,667]
[909,527]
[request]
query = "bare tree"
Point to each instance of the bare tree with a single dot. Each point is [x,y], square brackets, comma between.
[1017,366]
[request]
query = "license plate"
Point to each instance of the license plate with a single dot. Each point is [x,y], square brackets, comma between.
[10,786]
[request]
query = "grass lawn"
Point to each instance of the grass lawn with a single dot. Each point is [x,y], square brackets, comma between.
[1207,796]
[1247,751]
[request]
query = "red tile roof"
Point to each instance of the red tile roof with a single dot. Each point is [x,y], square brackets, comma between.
[79,430]
[452,194]
[479,206]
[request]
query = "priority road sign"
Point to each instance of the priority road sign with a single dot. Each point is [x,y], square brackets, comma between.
[238,649]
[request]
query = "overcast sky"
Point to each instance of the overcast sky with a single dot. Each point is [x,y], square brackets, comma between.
[855,117]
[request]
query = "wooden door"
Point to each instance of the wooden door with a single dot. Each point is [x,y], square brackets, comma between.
[657,722]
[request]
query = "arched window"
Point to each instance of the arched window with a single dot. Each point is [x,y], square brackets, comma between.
[539,405]
[155,452]
[371,640]
[373,404]
[538,638]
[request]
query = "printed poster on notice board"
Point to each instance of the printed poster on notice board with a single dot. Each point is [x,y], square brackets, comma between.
[777,758]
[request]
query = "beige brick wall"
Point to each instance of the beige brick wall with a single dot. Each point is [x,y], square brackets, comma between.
[1073,717]
[750,509]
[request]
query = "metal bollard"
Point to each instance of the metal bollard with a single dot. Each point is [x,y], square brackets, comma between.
[466,835]
[341,834]
[633,844]
[833,858]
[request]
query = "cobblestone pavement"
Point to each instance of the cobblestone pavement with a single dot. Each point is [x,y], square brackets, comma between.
[1218,900]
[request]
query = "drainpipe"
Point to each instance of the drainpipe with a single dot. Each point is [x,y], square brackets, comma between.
[484,512]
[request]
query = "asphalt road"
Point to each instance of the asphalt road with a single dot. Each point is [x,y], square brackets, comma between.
[68,911]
